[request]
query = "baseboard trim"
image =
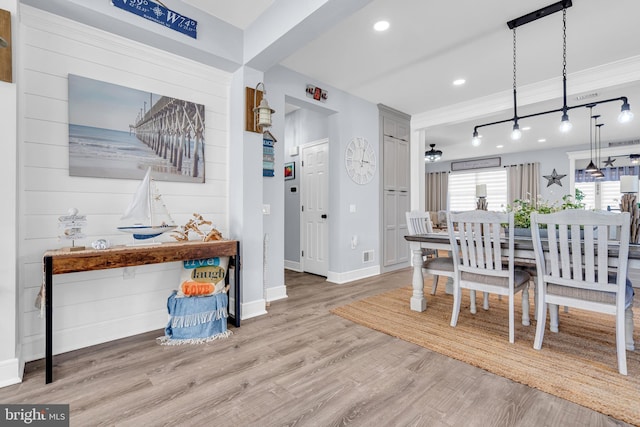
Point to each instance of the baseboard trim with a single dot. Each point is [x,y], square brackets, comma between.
[252,309]
[350,276]
[292,265]
[10,372]
[274,294]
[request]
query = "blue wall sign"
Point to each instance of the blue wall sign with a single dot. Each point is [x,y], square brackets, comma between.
[159,14]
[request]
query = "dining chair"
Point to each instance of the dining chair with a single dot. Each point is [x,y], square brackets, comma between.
[419,222]
[475,238]
[574,271]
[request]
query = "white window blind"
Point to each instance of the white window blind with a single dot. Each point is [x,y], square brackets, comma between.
[462,189]
[609,194]
[589,190]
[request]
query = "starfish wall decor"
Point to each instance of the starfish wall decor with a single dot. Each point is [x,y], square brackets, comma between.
[554,178]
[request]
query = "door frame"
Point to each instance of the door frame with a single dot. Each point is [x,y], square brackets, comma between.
[302,187]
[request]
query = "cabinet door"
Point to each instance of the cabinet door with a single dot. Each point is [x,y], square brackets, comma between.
[403,204]
[402,165]
[390,246]
[390,163]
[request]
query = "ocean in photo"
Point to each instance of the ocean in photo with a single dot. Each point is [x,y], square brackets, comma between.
[107,153]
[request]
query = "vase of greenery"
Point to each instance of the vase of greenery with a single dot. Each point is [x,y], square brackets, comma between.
[522,209]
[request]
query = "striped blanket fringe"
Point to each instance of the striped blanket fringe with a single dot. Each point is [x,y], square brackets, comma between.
[198,318]
[171,341]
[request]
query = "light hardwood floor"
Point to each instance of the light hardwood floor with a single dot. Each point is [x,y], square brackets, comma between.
[298,365]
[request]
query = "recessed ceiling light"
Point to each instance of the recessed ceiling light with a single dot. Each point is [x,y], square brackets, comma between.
[459,82]
[500,146]
[542,140]
[526,128]
[381,26]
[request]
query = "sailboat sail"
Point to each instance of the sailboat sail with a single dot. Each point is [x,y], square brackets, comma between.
[140,208]
[147,213]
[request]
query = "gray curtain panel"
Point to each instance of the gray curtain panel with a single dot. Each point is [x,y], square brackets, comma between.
[523,181]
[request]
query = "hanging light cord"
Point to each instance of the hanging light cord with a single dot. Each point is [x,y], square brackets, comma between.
[564,60]
[515,104]
[590,134]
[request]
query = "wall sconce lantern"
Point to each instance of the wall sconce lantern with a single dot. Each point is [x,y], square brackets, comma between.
[258,111]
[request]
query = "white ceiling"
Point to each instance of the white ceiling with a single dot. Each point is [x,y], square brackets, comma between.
[239,13]
[429,44]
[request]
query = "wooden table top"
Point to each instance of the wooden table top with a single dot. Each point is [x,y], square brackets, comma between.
[70,261]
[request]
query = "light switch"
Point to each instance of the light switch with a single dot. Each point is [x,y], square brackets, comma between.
[352,208]
[266,209]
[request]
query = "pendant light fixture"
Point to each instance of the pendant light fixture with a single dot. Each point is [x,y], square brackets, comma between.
[516,133]
[432,155]
[591,167]
[565,124]
[598,174]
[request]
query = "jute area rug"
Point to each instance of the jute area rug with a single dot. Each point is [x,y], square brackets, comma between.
[577,364]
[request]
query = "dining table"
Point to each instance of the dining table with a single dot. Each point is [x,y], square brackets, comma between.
[523,252]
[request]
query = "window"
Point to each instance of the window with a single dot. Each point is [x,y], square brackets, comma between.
[462,189]
[601,195]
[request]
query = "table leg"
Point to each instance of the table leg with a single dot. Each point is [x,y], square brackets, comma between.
[48,304]
[237,287]
[418,302]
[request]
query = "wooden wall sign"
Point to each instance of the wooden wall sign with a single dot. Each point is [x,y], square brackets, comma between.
[5,52]
[489,162]
[249,118]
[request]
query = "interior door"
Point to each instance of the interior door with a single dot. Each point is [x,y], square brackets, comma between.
[314,205]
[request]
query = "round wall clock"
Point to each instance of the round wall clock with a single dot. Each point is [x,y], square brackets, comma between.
[360,160]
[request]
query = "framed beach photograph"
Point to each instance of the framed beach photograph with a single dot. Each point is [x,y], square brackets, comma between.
[289,171]
[119,132]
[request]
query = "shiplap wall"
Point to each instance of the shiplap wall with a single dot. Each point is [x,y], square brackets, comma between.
[100,306]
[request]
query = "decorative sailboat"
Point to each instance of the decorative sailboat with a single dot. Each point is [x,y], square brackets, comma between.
[147,212]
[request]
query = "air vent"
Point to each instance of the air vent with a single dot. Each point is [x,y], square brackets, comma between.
[624,143]
[587,96]
[367,256]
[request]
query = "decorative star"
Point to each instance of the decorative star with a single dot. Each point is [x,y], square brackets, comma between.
[609,162]
[554,178]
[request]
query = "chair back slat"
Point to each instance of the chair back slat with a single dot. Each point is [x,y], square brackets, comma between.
[418,222]
[589,252]
[603,254]
[476,241]
[578,244]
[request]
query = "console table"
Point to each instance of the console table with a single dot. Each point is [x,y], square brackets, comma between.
[63,261]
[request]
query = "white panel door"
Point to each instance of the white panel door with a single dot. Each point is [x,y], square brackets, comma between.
[315,198]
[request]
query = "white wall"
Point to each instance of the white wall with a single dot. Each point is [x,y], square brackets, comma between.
[348,117]
[10,363]
[99,306]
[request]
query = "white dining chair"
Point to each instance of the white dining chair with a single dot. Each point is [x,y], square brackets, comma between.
[573,270]
[419,222]
[475,238]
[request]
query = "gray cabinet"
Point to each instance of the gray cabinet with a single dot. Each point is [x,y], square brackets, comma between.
[394,137]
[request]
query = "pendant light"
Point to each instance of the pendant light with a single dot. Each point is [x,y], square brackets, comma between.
[565,124]
[516,133]
[598,174]
[591,168]
[432,155]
